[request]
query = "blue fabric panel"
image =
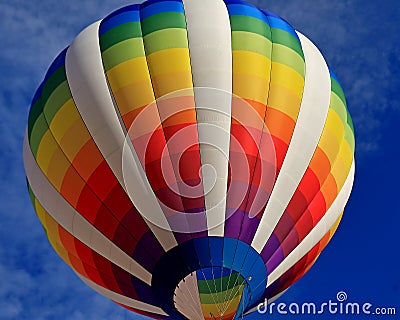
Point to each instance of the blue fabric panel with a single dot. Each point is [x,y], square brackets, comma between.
[151,2]
[203,251]
[110,22]
[159,7]
[216,249]
[240,255]
[57,63]
[278,23]
[245,10]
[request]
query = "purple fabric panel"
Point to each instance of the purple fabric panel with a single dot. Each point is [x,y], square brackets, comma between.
[249,227]
[141,255]
[270,247]
[233,223]
[275,260]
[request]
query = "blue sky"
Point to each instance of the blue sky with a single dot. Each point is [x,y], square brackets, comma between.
[361,43]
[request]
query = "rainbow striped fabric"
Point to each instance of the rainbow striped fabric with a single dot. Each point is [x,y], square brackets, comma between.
[189,158]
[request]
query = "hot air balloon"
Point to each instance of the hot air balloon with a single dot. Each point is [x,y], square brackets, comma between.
[188,159]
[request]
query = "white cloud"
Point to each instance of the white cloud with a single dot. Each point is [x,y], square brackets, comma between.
[36,284]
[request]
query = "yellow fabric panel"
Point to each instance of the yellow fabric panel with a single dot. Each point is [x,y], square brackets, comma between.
[128,72]
[329,145]
[335,226]
[347,154]
[57,168]
[170,70]
[215,308]
[285,76]
[250,87]
[74,139]
[334,124]
[340,172]
[41,212]
[171,82]
[61,251]
[45,152]
[251,63]
[169,61]
[64,119]
[133,96]
[52,232]
[284,100]
[52,228]
[345,157]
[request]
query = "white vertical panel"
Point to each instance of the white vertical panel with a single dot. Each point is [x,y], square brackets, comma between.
[307,132]
[89,89]
[144,199]
[65,215]
[122,299]
[88,84]
[187,299]
[209,34]
[319,231]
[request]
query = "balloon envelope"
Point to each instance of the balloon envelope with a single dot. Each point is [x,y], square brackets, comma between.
[188,159]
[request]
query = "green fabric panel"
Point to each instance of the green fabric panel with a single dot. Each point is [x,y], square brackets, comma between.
[165,39]
[51,84]
[120,33]
[337,105]
[58,77]
[339,95]
[34,113]
[219,284]
[210,298]
[288,57]
[164,20]
[284,38]
[31,195]
[349,136]
[38,131]
[350,121]
[242,40]
[250,24]
[56,100]
[335,87]
[122,51]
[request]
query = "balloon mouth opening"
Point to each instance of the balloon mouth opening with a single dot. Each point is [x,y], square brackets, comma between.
[212,293]
[209,278]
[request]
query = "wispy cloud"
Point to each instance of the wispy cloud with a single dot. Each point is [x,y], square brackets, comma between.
[36,284]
